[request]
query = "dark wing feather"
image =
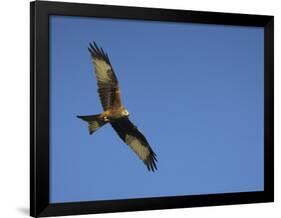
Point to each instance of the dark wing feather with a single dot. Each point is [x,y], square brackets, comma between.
[130,134]
[108,87]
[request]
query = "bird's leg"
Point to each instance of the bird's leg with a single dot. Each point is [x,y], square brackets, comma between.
[105,119]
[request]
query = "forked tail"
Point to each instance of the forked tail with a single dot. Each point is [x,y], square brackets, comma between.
[94,122]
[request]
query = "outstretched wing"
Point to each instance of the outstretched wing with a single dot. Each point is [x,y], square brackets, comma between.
[130,134]
[108,87]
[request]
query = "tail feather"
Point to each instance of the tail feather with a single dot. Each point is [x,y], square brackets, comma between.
[94,122]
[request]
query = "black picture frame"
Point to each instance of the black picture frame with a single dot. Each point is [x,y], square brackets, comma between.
[39,108]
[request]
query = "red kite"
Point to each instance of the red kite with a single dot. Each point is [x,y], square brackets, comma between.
[114,111]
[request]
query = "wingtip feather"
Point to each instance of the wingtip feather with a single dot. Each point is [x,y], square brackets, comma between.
[98,52]
[150,163]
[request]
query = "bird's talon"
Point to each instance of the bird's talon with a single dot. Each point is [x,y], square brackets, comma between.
[105,119]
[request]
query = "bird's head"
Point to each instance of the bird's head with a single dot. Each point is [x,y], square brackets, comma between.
[125,112]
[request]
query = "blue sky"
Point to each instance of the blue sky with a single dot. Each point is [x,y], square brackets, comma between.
[194,90]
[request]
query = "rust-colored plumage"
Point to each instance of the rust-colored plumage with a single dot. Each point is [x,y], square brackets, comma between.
[114,111]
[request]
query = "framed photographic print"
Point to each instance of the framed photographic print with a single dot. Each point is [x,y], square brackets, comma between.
[142,109]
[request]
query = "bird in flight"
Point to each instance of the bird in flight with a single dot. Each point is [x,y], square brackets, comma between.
[114,111]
